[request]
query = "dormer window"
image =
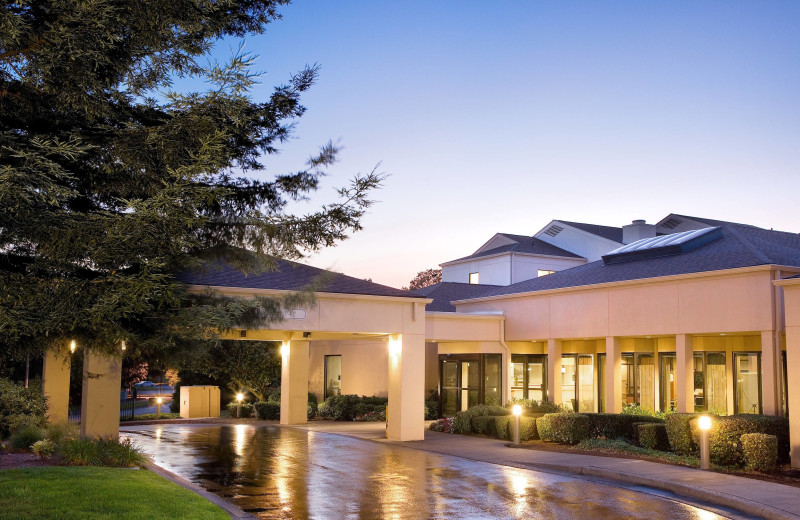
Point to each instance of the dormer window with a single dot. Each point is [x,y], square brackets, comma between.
[473,278]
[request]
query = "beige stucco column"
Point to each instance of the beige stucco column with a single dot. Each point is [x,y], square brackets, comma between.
[406,421]
[613,382]
[554,370]
[55,384]
[684,372]
[770,372]
[102,383]
[791,292]
[294,382]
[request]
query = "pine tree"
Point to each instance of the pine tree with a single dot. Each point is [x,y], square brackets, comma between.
[111,182]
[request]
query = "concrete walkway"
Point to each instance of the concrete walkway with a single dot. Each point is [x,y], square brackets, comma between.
[751,496]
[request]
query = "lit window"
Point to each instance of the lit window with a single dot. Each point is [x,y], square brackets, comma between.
[543,272]
[473,278]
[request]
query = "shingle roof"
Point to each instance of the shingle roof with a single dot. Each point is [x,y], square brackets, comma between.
[522,244]
[445,292]
[289,276]
[740,246]
[611,233]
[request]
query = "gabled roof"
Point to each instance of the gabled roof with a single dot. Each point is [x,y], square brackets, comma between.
[445,292]
[607,232]
[740,246]
[522,244]
[289,276]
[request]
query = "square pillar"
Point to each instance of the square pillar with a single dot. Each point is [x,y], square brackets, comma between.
[102,384]
[684,372]
[406,420]
[294,382]
[55,384]
[554,371]
[613,382]
[771,372]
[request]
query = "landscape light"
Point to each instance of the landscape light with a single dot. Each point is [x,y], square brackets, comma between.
[704,423]
[159,400]
[517,411]
[239,398]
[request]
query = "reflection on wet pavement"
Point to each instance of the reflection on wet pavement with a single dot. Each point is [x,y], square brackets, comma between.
[284,473]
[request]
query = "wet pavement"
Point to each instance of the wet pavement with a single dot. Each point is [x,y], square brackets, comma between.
[285,473]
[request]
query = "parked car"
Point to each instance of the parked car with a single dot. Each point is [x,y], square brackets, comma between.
[145,384]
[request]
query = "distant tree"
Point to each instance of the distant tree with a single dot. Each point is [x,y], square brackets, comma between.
[112,181]
[133,372]
[424,279]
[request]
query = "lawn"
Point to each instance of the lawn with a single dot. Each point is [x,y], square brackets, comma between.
[90,493]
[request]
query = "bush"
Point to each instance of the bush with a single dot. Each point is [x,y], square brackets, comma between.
[16,400]
[760,452]
[275,397]
[23,422]
[566,428]
[268,411]
[102,452]
[155,416]
[444,425]
[372,416]
[462,423]
[502,426]
[653,436]
[679,433]
[726,432]
[58,433]
[339,407]
[615,425]
[24,438]
[480,424]
[312,405]
[246,410]
[431,410]
[635,409]
[543,428]
[527,429]
[43,448]
[530,406]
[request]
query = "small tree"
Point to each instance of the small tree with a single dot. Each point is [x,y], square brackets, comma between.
[424,279]
[251,365]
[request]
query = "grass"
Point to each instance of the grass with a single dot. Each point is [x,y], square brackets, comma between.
[92,493]
[620,446]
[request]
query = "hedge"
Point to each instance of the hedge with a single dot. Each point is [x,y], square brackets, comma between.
[653,436]
[268,411]
[246,410]
[462,422]
[503,425]
[615,425]
[726,432]
[679,432]
[565,428]
[760,451]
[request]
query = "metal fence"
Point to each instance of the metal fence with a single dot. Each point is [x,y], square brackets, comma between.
[74,415]
[127,409]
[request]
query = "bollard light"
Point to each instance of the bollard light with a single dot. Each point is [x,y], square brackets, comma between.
[239,398]
[517,411]
[159,400]
[704,423]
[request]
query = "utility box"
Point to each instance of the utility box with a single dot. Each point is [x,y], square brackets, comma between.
[199,401]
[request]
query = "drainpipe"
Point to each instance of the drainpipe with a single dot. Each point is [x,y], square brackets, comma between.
[507,385]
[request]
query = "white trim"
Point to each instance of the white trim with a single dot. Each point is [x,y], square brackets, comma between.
[495,255]
[197,288]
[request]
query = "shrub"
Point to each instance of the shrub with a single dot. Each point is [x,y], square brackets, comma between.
[760,451]
[312,405]
[25,438]
[102,452]
[43,448]
[502,425]
[653,436]
[23,422]
[444,424]
[275,397]
[615,425]
[566,428]
[59,433]
[726,432]
[679,433]
[543,427]
[372,416]
[246,410]
[431,410]
[635,409]
[155,416]
[16,400]
[267,411]
[480,424]
[527,429]
[339,407]
[462,423]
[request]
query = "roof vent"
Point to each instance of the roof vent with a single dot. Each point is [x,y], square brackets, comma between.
[553,230]
[672,223]
[663,245]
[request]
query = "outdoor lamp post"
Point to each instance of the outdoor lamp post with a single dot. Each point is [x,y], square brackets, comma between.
[159,400]
[517,411]
[704,423]
[239,398]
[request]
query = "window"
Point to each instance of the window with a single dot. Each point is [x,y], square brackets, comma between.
[747,382]
[543,272]
[638,380]
[577,382]
[709,382]
[473,278]
[333,376]
[601,383]
[529,377]
[669,385]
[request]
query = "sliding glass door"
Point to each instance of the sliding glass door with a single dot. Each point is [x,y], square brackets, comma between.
[577,382]
[468,380]
[529,379]
[747,382]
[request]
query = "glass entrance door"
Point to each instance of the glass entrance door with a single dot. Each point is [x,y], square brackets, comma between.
[450,387]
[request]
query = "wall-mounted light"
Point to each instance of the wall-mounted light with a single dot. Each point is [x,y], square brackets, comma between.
[395,346]
[285,348]
[123,346]
[563,370]
[72,346]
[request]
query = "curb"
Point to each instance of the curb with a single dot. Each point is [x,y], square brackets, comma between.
[712,497]
[233,510]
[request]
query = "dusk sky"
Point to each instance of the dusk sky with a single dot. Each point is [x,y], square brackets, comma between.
[500,116]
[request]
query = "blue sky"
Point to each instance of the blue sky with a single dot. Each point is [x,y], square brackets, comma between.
[500,116]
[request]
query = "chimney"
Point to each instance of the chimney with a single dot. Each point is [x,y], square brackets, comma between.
[637,230]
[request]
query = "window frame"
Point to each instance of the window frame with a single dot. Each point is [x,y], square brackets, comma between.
[736,381]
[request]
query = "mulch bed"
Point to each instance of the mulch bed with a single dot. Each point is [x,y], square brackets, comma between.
[783,475]
[25,460]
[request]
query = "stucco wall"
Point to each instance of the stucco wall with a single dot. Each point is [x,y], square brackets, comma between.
[364,366]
